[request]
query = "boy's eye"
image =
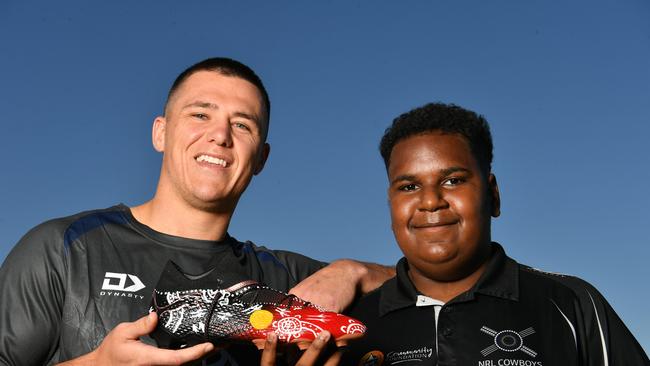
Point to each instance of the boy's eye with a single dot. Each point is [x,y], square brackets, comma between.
[408,187]
[453,181]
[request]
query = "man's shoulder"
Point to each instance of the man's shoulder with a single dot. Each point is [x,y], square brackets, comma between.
[63,223]
[54,233]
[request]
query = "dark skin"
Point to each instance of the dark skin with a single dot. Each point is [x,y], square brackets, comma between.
[441,204]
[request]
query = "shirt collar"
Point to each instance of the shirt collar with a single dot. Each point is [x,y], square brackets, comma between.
[500,279]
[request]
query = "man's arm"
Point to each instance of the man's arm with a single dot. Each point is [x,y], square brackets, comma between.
[32,289]
[335,286]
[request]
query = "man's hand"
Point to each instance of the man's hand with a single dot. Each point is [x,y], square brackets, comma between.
[123,347]
[310,357]
[335,286]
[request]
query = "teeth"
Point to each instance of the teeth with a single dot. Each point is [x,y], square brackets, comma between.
[211,160]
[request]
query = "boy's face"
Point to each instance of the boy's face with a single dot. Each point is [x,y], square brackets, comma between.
[441,205]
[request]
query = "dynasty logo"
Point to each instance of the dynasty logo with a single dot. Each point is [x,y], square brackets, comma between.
[116,284]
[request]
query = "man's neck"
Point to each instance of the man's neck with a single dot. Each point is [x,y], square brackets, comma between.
[179,219]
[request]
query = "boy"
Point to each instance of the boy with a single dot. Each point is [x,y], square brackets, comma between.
[457,298]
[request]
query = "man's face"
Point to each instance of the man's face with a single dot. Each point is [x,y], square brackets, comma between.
[212,140]
[440,203]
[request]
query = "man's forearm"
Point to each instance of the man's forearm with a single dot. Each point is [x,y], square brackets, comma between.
[376,275]
[367,276]
[335,286]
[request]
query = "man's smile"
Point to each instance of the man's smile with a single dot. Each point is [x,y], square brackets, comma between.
[211,160]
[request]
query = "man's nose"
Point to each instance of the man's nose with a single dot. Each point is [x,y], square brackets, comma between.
[220,132]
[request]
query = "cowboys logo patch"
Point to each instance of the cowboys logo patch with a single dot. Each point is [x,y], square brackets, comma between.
[508,341]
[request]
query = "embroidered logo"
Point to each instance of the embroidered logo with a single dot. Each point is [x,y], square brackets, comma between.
[412,355]
[508,341]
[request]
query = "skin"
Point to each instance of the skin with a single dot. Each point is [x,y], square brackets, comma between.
[441,204]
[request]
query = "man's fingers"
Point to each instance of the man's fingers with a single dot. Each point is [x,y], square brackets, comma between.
[269,353]
[317,346]
[138,328]
[178,357]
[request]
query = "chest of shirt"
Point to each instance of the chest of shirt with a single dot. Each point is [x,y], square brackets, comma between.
[502,334]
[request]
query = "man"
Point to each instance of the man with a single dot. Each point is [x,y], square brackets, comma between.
[75,289]
[457,298]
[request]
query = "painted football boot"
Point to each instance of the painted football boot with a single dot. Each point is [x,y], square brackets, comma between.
[225,308]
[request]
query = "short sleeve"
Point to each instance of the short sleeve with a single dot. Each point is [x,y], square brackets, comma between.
[605,339]
[298,265]
[32,291]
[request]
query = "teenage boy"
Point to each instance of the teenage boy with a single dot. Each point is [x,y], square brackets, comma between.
[458,299]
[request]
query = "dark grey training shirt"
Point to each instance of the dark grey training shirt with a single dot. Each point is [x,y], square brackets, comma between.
[69,281]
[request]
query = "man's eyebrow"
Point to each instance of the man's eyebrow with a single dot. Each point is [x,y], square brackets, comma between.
[202,104]
[248,116]
[209,105]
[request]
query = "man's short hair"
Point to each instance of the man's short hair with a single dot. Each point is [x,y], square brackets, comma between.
[444,118]
[227,67]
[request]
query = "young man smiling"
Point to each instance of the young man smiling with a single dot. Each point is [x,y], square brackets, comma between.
[457,298]
[75,289]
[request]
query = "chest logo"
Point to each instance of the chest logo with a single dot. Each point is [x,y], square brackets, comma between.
[117,282]
[508,341]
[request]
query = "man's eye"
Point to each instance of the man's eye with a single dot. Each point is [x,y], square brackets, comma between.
[241,126]
[201,116]
[408,187]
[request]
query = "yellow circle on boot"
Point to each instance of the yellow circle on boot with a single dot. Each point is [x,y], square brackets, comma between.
[261,319]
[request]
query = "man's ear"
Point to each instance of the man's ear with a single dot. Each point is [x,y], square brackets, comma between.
[264,154]
[158,133]
[495,198]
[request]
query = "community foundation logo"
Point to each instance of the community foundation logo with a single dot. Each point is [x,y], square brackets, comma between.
[116,284]
[511,342]
[419,354]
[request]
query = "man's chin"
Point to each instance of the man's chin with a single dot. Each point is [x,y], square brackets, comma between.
[213,203]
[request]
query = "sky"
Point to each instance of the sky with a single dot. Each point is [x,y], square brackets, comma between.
[564,85]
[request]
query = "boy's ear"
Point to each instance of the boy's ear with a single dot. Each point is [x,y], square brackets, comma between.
[495,198]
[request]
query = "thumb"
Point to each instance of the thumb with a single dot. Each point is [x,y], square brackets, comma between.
[142,326]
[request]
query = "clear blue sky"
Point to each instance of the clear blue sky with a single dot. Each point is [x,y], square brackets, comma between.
[565,86]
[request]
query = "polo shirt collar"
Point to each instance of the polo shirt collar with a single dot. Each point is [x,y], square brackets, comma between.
[500,279]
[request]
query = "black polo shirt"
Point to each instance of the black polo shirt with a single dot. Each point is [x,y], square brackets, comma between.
[513,316]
